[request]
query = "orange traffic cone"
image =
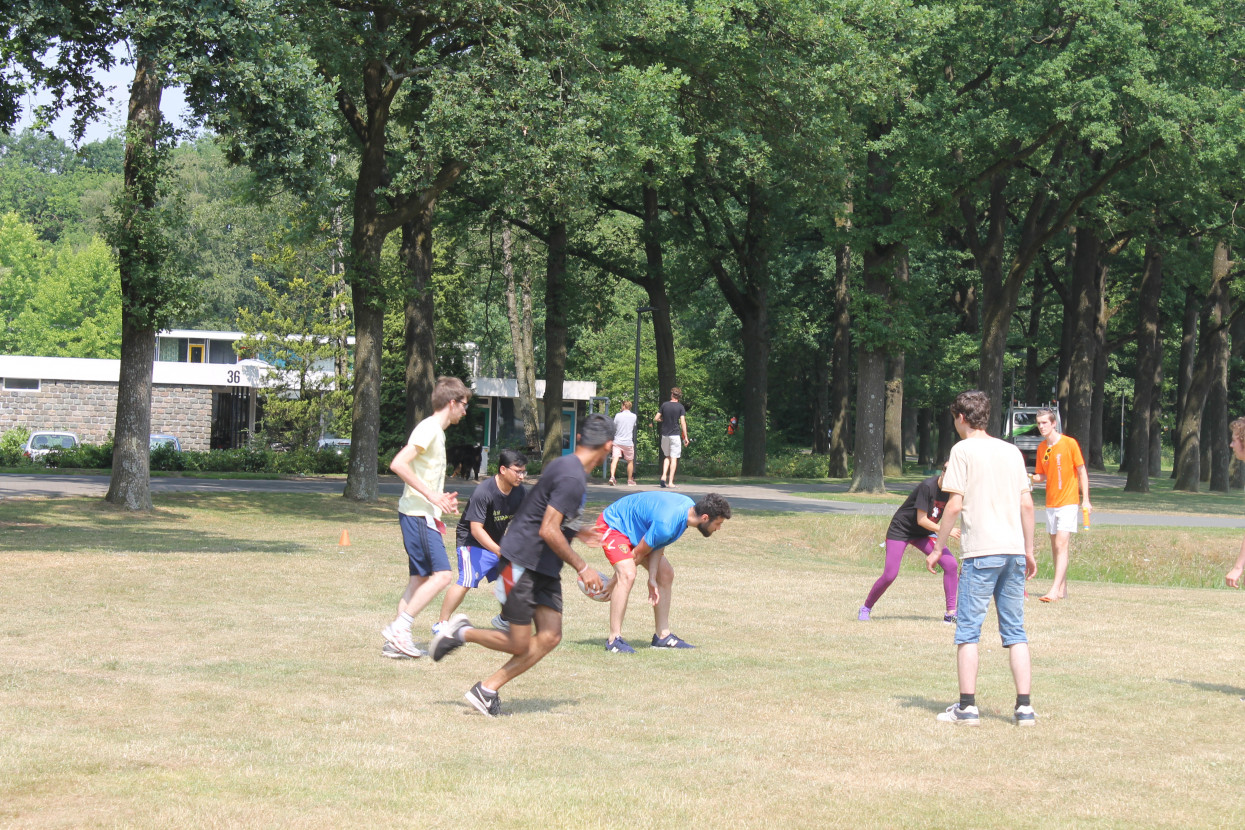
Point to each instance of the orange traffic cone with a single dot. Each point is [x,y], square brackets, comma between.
[344,541]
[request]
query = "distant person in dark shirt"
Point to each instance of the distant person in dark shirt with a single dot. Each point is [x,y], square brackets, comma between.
[536,544]
[672,418]
[916,523]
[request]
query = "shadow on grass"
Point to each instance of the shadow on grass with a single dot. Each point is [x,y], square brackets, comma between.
[1221,688]
[925,703]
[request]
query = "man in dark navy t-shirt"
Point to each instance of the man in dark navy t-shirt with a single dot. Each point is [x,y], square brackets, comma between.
[536,544]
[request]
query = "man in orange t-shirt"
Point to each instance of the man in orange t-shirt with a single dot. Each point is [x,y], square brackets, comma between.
[1062,467]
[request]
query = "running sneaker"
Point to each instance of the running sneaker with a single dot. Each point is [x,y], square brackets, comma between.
[450,637]
[663,483]
[1025,716]
[401,640]
[500,624]
[670,641]
[950,619]
[387,650]
[436,627]
[863,614]
[968,716]
[489,703]
[612,482]
[618,646]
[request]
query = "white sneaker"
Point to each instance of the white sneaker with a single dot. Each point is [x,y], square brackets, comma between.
[436,628]
[401,640]
[1025,716]
[499,624]
[968,716]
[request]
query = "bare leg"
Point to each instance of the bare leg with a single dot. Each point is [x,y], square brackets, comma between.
[1021,671]
[665,465]
[421,590]
[453,598]
[966,667]
[661,611]
[624,578]
[674,465]
[548,635]
[630,470]
[1059,555]
[613,467]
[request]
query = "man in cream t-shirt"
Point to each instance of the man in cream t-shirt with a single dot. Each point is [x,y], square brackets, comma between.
[990,492]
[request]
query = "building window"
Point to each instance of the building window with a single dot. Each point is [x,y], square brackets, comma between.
[21,384]
[168,349]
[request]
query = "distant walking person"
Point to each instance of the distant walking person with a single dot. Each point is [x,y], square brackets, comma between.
[989,490]
[1061,466]
[1238,448]
[536,544]
[673,420]
[916,523]
[421,466]
[624,442]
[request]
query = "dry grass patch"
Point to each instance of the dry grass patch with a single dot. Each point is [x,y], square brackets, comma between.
[218,665]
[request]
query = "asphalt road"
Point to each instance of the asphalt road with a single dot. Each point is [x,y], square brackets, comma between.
[776,497]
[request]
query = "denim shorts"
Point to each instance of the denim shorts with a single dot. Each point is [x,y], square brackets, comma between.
[1000,577]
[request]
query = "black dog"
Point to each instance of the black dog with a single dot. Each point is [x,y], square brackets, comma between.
[462,459]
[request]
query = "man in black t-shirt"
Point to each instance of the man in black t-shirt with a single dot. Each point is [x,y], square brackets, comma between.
[536,544]
[673,420]
[481,528]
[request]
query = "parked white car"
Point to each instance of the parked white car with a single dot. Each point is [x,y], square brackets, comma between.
[157,440]
[41,443]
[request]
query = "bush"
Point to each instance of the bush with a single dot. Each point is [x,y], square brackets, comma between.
[81,457]
[11,444]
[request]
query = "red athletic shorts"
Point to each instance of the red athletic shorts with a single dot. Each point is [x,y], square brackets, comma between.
[617,547]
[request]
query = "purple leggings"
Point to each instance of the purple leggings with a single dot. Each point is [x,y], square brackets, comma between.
[894,555]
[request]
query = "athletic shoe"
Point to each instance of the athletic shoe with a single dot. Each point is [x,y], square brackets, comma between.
[663,483]
[968,716]
[670,641]
[387,650]
[618,646]
[951,619]
[436,628]
[611,482]
[401,640]
[863,614]
[488,704]
[450,637]
[1025,716]
[500,624]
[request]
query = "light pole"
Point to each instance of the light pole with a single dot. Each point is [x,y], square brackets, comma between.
[635,389]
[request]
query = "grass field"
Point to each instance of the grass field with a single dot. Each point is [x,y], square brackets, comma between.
[218,665]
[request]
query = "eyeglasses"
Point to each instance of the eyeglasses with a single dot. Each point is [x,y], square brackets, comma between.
[518,472]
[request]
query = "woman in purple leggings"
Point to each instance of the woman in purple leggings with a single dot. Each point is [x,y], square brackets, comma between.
[912,524]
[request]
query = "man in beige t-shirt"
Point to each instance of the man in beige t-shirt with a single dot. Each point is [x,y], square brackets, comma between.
[990,492]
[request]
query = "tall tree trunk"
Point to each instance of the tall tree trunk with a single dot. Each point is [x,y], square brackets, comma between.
[840,368]
[1212,341]
[655,286]
[368,299]
[1156,422]
[555,339]
[418,313]
[1215,428]
[1149,362]
[1033,335]
[946,437]
[519,311]
[130,482]
[1086,300]
[1184,371]
[924,438]
[1098,409]
[892,442]
[868,475]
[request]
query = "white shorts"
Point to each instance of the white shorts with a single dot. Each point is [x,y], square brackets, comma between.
[1062,519]
[672,445]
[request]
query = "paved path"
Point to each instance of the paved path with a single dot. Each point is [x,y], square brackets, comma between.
[777,497]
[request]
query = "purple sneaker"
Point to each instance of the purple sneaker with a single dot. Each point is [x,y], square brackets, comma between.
[863,614]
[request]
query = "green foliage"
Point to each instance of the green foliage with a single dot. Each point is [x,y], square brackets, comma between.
[11,445]
[75,310]
[302,336]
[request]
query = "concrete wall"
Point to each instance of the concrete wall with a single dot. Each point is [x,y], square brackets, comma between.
[89,409]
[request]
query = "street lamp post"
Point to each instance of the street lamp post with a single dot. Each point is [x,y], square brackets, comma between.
[635,389]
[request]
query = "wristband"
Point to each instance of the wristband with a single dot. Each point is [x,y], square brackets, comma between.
[581,570]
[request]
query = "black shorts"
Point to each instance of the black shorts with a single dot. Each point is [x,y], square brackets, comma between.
[525,590]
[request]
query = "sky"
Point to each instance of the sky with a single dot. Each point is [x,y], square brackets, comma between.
[172,104]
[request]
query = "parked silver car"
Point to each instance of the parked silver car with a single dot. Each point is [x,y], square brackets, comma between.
[41,443]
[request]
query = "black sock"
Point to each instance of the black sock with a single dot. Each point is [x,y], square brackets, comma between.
[1022,700]
[967,700]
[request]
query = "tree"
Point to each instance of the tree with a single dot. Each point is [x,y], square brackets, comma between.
[75,309]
